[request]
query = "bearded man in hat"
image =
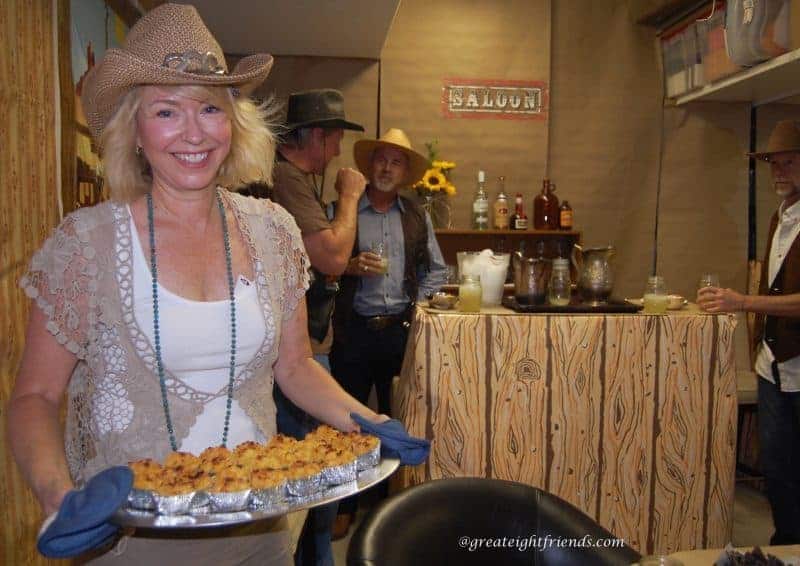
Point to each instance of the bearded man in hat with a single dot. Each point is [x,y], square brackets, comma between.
[776,340]
[373,309]
[315,127]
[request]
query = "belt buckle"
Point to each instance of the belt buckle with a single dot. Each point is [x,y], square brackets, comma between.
[378,322]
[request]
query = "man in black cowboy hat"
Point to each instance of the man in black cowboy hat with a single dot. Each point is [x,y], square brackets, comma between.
[776,339]
[315,127]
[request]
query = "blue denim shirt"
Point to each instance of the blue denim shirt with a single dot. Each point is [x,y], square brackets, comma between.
[385,294]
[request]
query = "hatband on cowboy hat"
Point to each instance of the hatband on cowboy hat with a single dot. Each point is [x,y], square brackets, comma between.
[785,137]
[170,45]
[395,138]
[320,108]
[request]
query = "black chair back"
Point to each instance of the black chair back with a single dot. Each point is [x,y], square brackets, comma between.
[478,521]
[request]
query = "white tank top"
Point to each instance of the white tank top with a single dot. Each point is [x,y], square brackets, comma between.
[195,347]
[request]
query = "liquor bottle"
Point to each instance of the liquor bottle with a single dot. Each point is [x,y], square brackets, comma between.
[554,210]
[520,219]
[565,217]
[480,206]
[542,208]
[501,220]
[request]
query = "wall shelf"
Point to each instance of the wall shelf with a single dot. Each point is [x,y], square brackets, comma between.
[767,82]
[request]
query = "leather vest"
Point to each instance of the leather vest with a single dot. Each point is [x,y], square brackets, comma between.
[782,334]
[417,261]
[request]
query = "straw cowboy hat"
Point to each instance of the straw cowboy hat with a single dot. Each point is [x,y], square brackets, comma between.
[395,138]
[784,138]
[170,45]
[322,108]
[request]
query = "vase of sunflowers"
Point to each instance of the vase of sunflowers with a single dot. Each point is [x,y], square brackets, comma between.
[435,188]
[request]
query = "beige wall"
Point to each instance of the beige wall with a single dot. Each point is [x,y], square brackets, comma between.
[431,41]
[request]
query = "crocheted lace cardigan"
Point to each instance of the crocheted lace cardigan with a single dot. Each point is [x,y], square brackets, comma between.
[82,280]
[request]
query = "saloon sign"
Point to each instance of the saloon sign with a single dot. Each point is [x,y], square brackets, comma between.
[498,99]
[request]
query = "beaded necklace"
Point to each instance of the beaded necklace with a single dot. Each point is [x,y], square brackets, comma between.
[156,333]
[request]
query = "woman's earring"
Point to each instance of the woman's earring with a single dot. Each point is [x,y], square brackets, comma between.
[139,150]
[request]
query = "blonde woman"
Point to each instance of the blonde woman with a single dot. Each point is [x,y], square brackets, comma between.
[166,313]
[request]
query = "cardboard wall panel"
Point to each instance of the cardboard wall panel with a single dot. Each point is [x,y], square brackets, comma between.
[431,41]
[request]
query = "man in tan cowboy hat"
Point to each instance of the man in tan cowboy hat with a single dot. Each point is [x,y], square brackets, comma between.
[777,335]
[395,261]
[315,127]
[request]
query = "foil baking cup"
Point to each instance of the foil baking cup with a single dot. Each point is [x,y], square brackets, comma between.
[230,501]
[369,459]
[337,475]
[304,487]
[268,497]
[174,504]
[141,499]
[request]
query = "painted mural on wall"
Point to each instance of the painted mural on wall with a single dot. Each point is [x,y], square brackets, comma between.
[95,27]
[494,99]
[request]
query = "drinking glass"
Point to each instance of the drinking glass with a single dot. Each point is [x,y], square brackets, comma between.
[708,280]
[379,249]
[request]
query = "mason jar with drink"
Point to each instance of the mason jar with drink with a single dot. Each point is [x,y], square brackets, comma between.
[655,298]
[470,293]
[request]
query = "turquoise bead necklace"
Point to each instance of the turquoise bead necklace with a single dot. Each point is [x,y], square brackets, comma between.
[156,332]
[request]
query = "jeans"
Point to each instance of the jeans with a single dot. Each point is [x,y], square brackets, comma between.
[368,357]
[314,546]
[779,435]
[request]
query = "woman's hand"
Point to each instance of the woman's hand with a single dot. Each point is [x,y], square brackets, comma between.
[365,264]
[719,300]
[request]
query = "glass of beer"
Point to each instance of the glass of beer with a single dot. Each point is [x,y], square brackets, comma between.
[379,249]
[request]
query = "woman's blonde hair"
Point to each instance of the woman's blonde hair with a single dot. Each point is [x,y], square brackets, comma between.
[127,174]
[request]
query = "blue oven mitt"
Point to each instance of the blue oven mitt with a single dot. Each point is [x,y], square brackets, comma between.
[82,522]
[395,440]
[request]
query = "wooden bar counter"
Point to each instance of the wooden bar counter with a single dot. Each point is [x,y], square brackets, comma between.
[630,417]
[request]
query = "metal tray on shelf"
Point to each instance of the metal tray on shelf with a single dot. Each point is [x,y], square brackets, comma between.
[201,518]
[612,306]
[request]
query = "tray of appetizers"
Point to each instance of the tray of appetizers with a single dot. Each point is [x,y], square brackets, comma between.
[251,482]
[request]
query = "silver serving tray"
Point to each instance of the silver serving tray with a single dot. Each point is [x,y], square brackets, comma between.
[201,518]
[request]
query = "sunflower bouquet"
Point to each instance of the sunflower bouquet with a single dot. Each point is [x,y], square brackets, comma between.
[436,179]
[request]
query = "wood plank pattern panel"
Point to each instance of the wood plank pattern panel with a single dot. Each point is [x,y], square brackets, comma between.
[626,437]
[518,389]
[458,397]
[630,418]
[721,450]
[682,425]
[576,387]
